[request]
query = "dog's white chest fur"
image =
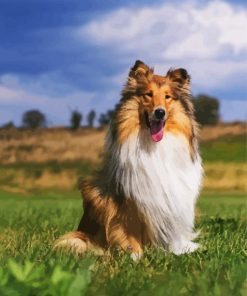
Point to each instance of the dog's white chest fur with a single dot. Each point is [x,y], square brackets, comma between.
[164,182]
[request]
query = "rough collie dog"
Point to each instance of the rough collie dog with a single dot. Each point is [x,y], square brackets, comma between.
[146,191]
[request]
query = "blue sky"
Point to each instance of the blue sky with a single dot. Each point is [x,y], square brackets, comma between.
[59,55]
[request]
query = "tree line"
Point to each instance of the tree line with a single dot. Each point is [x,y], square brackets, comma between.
[206,113]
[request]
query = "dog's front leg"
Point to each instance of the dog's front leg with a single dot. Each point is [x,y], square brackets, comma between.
[121,233]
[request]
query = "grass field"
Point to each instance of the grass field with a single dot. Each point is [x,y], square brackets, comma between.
[39,202]
[224,161]
[28,266]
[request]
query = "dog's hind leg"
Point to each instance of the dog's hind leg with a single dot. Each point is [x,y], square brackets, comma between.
[88,237]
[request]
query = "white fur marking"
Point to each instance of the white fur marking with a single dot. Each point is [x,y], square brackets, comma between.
[77,245]
[164,182]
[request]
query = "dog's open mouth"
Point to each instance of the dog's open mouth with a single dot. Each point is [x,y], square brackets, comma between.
[156,128]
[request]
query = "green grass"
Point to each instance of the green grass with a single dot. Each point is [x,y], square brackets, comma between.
[36,168]
[29,224]
[225,149]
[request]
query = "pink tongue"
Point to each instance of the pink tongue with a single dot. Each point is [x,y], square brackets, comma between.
[156,130]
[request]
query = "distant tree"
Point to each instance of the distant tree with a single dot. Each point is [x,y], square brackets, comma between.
[91,117]
[105,118]
[8,125]
[33,119]
[206,109]
[75,120]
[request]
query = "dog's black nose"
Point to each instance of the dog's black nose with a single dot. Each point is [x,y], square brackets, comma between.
[159,114]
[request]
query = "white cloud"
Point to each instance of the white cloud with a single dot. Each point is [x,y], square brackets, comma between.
[16,95]
[174,30]
[207,39]
[209,75]
[228,21]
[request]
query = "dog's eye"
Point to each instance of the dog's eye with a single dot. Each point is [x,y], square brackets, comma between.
[167,97]
[149,94]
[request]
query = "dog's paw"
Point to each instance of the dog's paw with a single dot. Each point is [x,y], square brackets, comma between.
[136,256]
[194,235]
[184,247]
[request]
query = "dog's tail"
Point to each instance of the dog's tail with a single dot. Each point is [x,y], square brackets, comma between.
[77,242]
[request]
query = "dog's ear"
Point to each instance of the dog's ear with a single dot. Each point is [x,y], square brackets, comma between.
[180,76]
[139,77]
[140,70]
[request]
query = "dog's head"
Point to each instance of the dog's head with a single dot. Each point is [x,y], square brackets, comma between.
[162,98]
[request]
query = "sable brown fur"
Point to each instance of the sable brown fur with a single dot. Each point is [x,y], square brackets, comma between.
[111,219]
